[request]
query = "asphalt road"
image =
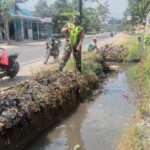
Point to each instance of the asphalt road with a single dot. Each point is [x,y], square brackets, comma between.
[34,51]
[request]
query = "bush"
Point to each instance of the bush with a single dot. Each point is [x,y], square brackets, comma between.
[147,40]
[134,50]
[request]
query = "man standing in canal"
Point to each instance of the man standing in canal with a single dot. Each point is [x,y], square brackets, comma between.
[73,42]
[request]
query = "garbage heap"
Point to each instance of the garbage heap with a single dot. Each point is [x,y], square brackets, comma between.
[34,105]
[116,53]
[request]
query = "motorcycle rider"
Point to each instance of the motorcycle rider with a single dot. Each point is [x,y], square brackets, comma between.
[75,36]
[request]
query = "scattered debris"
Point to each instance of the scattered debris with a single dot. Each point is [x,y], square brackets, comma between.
[114,52]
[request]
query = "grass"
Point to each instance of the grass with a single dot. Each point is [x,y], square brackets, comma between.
[91,69]
[142,79]
[91,62]
[134,49]
[133,138]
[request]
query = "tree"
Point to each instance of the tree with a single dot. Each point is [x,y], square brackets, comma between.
[42,9]
[62,11]
[103,11]
[138,9]
[144,8]
[94,18]
[5,18]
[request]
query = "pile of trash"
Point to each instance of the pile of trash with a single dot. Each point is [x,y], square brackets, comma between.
[114,52]
[15,108]
[55,79]
[47,90]
[60,86]
[17,105]
[47,97]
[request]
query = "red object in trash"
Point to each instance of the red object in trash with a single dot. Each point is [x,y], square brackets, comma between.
[3,57]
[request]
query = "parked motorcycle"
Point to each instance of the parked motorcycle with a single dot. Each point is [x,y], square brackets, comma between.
[52,47]
[12,68]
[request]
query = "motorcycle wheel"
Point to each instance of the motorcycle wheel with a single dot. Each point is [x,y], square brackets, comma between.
[14,71]
[46,56]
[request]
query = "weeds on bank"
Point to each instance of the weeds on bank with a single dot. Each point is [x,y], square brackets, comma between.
[91,67]
[128,50]
[141,76]
[91,62]
[134,49]
[134,138]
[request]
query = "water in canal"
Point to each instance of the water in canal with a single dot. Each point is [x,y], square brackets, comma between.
[95,125]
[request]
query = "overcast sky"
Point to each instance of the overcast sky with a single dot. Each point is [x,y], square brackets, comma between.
[116,7]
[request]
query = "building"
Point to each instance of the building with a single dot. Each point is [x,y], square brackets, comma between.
[24,26]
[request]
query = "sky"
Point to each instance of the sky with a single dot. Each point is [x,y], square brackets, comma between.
[116,7]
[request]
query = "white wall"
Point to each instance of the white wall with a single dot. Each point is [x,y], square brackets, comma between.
[30,33]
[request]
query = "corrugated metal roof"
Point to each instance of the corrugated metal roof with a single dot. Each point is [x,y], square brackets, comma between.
[42,20]
[20,1]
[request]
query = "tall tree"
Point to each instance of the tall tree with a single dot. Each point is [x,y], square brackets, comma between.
[42,9]
[138,9]
[94,17]
[5,18]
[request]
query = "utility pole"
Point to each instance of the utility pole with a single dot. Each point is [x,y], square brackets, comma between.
[80,9]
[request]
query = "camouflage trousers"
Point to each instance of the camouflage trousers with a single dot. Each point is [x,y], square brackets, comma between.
[67,52]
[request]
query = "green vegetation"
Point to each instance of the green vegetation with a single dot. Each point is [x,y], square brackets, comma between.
[127,50]
[147,40]
[132,138]
[93,67]
[5,17]
[91,62]
[138,10]
[142,77]
[137,134]
[134,49]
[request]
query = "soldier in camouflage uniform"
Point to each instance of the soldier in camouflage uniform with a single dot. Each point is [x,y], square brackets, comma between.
[73,42]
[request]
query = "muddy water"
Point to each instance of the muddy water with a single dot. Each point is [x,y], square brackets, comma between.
[95,125]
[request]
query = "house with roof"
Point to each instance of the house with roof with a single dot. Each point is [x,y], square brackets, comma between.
[24,25]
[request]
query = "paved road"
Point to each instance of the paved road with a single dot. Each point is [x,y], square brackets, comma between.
[29,52]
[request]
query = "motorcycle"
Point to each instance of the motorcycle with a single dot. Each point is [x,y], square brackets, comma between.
[52,47]
[12,68]
[111,34]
